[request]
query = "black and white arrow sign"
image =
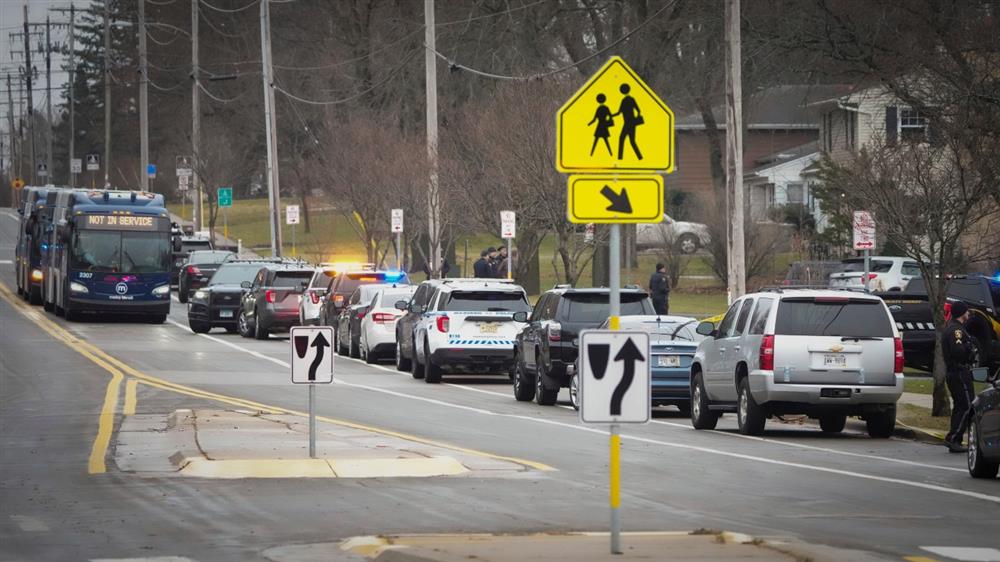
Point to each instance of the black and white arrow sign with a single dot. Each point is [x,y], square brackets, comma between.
[615,377]
[312,362]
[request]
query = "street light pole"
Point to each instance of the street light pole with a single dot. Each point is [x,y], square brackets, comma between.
[270,125]
[29,79]
[143,101]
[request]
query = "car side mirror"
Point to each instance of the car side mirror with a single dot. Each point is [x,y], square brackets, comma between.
[981,374]
[246,284]
[402,305]
[706,329]
[520,316]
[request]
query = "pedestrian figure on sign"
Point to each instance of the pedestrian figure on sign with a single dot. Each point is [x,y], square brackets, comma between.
[659,290]
[604,123]
[631,118]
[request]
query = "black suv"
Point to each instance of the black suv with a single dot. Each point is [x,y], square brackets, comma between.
[547,347]
[272,299]
[218,303]
[198,269]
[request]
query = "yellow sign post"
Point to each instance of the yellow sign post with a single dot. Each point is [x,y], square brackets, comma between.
[615,199]
[615,122]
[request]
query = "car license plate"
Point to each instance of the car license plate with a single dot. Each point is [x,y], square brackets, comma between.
[225,314]
[488,328]
[668,361]
[834,360]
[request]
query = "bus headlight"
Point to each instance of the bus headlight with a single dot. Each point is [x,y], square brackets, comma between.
[36,274]
[162,290]
[78,287]
[199,294]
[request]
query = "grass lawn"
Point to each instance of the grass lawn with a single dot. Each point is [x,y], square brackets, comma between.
[925,385]
[917,416]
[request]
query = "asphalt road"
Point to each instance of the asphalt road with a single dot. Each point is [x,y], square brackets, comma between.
[887,496]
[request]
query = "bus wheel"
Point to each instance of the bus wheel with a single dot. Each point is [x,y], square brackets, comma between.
[70,314]
[158,319]
[35,295]
[48,306]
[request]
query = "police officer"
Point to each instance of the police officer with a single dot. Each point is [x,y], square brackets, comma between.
[959,355]
[659,289]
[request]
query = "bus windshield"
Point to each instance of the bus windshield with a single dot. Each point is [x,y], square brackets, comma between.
[121,252]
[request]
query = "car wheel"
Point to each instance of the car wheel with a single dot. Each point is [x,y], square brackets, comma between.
[402,363]
[574,392]
[833,423]
[688,243]
[432,372]
[199,327]
[157,319]
[701,416]
[543,396]
[415,366]
[230,330]
[243,325]
[35,296]
[524,387]
[750,416]
[353,344]
[881,424]
[978,466]
[341,348]
[48,306]
[182,295]
[259,332]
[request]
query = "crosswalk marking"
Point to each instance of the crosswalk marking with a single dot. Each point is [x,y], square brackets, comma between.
[965,553]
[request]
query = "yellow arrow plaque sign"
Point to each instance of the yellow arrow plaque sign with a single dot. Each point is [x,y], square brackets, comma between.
[620,199]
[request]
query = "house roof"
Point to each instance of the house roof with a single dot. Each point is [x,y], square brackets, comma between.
[783,157]
[778,107]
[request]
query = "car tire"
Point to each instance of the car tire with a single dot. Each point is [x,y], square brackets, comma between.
[259,332]
[367,355]
[832,423]
[35,296]
[978,466]
[750,415]
[353,346]
[243,325]
[231,329]
[543,396]
[48,306]
[701,416]
[402,363]
[688,243]
[199,327]
[182,295]
[341,348]
[880,425]
[157,319]
[574,392]
[524,387]
[415,367]
[432,372]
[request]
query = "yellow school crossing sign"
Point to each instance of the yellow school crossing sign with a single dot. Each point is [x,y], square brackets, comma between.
[615,122]
[619,198]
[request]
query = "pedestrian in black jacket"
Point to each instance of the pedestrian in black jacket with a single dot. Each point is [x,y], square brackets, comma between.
[659,290]
[482,267]
[959,355]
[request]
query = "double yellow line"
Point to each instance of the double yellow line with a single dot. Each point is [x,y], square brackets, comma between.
[119,370]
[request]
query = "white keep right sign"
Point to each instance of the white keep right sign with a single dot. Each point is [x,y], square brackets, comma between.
[615,377]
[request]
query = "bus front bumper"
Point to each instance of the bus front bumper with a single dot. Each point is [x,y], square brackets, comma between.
[119,307]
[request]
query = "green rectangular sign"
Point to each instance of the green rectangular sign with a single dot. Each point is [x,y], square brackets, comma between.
[225,197]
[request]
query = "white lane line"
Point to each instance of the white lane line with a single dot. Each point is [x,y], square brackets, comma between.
[12,216]
[7,262]
[148,559]
[232,345]
[708,450]
[30,524]
[965,553]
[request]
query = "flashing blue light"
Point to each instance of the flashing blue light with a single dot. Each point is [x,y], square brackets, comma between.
[996,278]
[45,246]
[393,275]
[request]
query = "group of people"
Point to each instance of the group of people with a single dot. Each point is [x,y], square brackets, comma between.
[493,263]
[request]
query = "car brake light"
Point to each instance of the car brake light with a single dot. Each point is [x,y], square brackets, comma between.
[554,331]
[338,300]
[314,297]
[383,318]
[443,324]
[947,312]
[361,314]
[898,365]
[269,295]
[767,353]
[872,276]
[831,299]
[193,270]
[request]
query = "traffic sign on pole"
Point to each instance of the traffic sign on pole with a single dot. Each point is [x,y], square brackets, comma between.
[93,162]
[508,224]
[151,171]
[605,199]
[396,216]
[75,165]
[225,196]
[864,231]
[183,182]
[43,170]
[615,377]
[183,166]
[312,364]
[17,183]
[615,122]
[291,214]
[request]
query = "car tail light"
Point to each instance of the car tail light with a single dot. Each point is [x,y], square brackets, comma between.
[947,312]
[898,365]
[554,331]
[361,314]
[383,318]
[193,270]
[443,324]
[338,300]
[767,354]
[872,276]
[314,297]
[269,296]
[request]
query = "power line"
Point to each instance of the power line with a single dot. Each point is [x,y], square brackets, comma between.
[348,61]
[161,88]
[380,83]
[223,10]
[216,98]
[506,12]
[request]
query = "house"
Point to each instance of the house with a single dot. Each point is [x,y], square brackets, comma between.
[777,181]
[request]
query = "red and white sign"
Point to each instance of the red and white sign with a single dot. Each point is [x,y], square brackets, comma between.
[397,221]
[864,231]
[508,223]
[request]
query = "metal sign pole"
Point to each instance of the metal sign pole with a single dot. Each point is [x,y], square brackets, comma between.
[614,468]
[312,421]
[867,267]
[399,247]
[225,222]
[510,258]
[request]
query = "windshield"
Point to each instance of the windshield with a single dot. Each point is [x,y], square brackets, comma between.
[389,297]
[835,317]
[121,252]
[291,279]
[484,301]
[234,274]
[594,307]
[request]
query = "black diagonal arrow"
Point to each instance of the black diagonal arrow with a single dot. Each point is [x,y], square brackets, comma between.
[628,354]
[319,343]
[619,201]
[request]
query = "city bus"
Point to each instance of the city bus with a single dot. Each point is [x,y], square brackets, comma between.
[110,254]
[36,209]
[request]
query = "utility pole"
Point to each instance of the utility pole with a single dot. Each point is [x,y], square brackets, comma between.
[13,131]
[48,96]
[270,125]
[196,209]
[433,199]
[734,154]
[72,94]
[28,71]
[143,100]
[107,94]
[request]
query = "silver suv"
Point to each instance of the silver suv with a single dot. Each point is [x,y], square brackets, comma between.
[827,354]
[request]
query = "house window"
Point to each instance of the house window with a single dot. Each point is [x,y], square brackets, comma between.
[768,195]
[795,193]
[912,126]
[850,129]
[828,131]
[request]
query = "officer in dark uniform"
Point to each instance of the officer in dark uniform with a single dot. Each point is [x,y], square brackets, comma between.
[659,290]
[959,355]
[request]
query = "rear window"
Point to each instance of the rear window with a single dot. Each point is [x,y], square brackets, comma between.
[190,245]
[854,266]
[484,301]
[290,279]
[208,257]
[593,307]
[234,274]
[839,317]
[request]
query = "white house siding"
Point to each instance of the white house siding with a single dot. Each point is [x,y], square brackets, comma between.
[781,177]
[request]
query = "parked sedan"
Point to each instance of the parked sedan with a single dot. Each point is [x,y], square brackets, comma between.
[378,327]
[195,273]
[984,427]
[348,330]
[687,237]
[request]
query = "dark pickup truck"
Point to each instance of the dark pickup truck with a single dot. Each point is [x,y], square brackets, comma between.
[912,314]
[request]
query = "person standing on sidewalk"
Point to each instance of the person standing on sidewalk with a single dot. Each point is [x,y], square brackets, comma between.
[659,290]
[959,355]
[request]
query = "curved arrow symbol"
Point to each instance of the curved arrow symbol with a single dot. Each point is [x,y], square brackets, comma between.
[628,354]
[319,343]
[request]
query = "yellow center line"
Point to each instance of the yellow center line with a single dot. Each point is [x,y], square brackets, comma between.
[117,367]
[129,408]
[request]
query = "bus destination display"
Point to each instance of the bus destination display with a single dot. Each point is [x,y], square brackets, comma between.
[122,222]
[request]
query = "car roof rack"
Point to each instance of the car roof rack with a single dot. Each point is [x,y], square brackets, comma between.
[451,280]
[783,288]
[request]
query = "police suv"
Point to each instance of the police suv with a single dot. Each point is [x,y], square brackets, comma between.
[466,326]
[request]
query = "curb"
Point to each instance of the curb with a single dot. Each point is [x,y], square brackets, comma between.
[201,467]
